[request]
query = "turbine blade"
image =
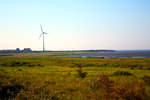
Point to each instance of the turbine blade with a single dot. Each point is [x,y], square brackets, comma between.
[40,35]
[41,28]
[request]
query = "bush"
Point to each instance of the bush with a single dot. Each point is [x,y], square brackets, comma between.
[146,79]
[121,73]
[80,72]
[19,69]
[148,68]
[19,64]
[106,89]
[102,82]
[79,65]
[9,87]
[134,90]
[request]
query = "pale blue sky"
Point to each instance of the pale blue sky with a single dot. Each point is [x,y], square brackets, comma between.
[75,24]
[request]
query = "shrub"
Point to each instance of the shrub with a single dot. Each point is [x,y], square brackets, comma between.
[102,81]
[131,67]
[81,73]
[148,68]
[106,89]
[134,90]
[102,87]
[9,87]
[79,65]
[121,73]
[19,69]
[19,64]
[146,79]
[10,91]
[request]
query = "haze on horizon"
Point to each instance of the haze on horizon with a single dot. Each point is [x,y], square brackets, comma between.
[75,24]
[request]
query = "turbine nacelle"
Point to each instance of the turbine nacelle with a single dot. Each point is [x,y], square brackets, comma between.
[45,33]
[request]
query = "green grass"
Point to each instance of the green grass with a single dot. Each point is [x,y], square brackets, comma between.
[45,77]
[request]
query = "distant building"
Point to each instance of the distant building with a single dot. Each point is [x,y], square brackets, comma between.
[27,50]
[18,50]
[7,51]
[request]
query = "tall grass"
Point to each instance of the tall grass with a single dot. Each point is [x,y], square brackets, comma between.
[54,78]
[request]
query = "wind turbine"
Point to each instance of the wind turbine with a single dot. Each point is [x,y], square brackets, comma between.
[42,34]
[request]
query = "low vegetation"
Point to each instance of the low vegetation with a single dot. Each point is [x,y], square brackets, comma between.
[81,73]
[121,73]
[146,79]
[45,77]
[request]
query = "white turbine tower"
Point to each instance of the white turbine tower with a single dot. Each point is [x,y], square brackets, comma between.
[42,34]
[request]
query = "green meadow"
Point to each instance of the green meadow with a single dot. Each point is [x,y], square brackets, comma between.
[43,76]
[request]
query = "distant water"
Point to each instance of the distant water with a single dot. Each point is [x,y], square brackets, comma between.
[116,54]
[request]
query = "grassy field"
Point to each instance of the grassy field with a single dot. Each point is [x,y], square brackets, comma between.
[42,76]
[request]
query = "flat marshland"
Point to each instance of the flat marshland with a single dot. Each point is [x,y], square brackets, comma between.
[43,76]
